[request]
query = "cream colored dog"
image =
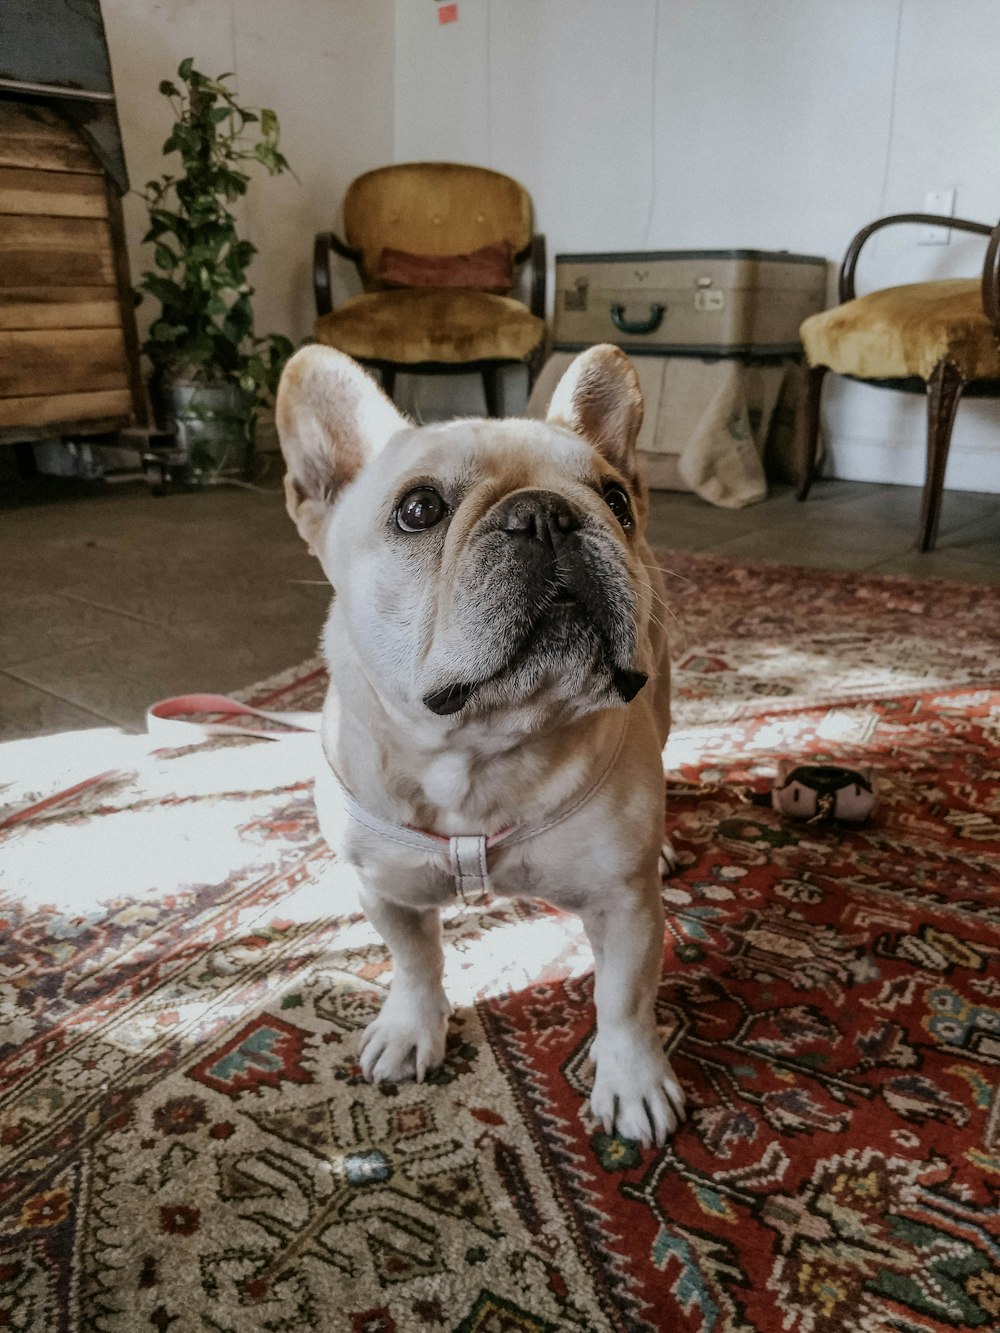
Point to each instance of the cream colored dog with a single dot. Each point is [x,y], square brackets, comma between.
[499,691]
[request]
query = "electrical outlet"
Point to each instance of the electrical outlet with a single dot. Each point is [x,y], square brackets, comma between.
[941,202]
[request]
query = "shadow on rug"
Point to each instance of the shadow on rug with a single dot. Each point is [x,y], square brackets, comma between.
[187,1143]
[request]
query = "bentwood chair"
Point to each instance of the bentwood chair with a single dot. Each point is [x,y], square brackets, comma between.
[938,338]
[438,247]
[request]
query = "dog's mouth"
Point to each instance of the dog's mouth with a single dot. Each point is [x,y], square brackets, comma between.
[563,612]
[560,616]
[454,697]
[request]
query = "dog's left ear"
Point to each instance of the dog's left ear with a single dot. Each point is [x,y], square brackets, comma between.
[599,398]
[332,418]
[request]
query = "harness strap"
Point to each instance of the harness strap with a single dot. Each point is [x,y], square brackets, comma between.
[466,852]
[529,831]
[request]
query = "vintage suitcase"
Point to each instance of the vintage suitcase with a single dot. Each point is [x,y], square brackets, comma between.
[719,303]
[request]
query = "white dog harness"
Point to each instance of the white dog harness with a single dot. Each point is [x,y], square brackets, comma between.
[467,854]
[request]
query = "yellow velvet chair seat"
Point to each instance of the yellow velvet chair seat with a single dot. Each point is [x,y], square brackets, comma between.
[421,324]
[904,332]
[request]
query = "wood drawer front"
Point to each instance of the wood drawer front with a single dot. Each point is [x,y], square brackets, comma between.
[35,136]
[59,308]
[111,407]
[67,194]
[58,252]
[65,360]
[61,361]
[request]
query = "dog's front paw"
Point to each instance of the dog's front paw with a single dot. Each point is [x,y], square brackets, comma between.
[636,1092]
[406,1041]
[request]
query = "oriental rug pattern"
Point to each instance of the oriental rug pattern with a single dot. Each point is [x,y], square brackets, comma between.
[186,1141]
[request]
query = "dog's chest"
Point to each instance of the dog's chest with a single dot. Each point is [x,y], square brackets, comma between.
[447,781]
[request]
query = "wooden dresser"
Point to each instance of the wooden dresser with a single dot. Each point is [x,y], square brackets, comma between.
[69,357]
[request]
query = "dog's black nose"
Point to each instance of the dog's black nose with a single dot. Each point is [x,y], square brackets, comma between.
[541,516]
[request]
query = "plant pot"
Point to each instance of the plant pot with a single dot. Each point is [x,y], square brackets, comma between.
[213,427]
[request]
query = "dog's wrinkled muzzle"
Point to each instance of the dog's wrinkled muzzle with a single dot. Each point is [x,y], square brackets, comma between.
[560,589]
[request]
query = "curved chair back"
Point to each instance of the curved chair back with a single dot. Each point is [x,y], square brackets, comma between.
[433,208]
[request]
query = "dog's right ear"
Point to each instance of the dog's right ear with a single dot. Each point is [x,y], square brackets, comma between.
[599,397]
[331,418]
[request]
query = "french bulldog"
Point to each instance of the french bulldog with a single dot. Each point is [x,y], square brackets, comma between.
[499,691]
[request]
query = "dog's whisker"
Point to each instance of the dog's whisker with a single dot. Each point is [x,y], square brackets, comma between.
[669,610]
[681,578]
[673,616]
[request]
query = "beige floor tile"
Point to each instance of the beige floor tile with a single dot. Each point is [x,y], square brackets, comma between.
[120,677]
[695,524]
[200,591]
[895,511]
[802,542]
[41,625]
[977,541]
[26,711]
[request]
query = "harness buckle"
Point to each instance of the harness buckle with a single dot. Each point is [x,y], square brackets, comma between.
[468,865]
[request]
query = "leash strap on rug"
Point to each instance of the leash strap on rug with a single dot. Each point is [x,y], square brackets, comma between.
[172,719]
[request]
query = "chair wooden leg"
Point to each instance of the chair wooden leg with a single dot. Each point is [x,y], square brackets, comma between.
[491,390]
[809,430]
[388,378]
[535,362]
[944,389]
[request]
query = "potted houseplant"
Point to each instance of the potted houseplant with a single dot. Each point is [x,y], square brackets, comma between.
[211,372]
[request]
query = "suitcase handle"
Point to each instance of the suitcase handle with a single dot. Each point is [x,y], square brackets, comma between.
[623,325]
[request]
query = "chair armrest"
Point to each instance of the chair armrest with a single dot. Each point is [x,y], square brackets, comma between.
[322,280]
[534,253]
[846,285]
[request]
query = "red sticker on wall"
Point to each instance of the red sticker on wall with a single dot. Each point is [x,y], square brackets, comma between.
[447,13]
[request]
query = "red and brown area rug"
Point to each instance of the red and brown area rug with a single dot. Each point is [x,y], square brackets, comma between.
[187,1144]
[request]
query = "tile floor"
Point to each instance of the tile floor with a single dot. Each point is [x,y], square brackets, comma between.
[111,598]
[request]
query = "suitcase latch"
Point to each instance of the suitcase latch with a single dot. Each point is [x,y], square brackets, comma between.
[709,299]
[577,300]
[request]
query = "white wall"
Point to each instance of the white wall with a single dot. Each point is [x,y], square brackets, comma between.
[772,124]
[325,67]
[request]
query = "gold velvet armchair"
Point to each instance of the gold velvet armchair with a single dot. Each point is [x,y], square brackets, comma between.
[437,246]
[939,338]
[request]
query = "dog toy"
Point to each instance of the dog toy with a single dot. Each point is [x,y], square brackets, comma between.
[821,793]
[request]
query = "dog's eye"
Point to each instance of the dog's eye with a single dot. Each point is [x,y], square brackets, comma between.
[620,505]
[420,509]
